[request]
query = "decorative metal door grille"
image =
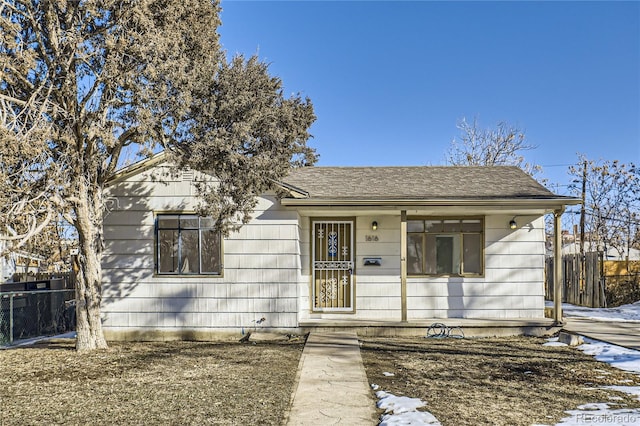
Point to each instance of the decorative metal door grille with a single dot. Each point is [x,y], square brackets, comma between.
[332,266]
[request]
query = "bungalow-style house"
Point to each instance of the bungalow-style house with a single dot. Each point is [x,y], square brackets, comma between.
[611,253]
[381,249]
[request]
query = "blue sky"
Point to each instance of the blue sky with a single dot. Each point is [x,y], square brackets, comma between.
[390,80]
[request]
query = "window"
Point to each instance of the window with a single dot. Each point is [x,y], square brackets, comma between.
[444,247]
[187,245]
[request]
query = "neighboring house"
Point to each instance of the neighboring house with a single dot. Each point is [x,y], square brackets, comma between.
[21,263]
[346,246]
[18,262]
[612,253]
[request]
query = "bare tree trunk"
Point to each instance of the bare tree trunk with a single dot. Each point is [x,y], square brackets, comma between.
[89,280]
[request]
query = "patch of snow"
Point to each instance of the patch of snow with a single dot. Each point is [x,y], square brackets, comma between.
[624,313]
[601,413]
[412,418]
[388,374]
[402,410]
[617,356]
[398,404]
[629,390]
[554,344]
[553,341]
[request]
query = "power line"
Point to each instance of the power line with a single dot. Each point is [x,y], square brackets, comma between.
[615,219]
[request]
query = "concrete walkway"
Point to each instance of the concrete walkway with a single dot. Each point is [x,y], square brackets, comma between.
[625,334]
[332,387]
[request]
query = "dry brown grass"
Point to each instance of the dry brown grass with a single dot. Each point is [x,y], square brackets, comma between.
[148,383]
[493,381]
[496,381]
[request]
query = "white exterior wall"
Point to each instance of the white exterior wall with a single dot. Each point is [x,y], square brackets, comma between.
[260,276]
[377,288]
[7,265]
[512,285]
[267,270]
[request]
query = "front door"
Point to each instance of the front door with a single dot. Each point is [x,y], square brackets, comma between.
[333,262]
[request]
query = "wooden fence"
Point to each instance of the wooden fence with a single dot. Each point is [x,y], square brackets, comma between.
[68,278]
[622,279]
[579,288]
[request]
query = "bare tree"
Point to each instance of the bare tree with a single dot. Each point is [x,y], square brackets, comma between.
[502,146]
[82,82]
[611,202]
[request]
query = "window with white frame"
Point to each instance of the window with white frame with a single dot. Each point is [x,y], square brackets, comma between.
[187,245]
[445,247]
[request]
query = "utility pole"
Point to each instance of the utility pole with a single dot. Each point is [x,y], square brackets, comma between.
[582,214]
[582,208]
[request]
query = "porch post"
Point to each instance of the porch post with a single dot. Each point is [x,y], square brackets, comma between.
[403,264]
[557,266]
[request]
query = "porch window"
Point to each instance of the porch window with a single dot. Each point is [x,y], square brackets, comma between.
[187,245]
[445,247]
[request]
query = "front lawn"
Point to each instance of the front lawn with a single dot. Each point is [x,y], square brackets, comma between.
[148,383]
[493,381]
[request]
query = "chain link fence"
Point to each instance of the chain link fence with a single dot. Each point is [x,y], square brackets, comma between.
[28,314]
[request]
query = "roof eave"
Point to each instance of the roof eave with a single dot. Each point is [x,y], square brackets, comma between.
[294,191]
[137,167]
[546,203]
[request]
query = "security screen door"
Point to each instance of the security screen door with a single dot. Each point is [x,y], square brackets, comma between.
[332,249]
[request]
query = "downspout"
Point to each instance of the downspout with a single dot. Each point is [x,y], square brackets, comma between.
[557,266]
[403,265]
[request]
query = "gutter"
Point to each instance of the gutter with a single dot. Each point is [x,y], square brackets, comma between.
[501,202]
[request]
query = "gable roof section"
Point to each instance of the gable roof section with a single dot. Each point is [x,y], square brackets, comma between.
[137,167]
[403,186]
[418,185]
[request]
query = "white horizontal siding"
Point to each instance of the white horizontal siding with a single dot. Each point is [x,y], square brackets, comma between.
[127,247]
[256,230]
[128,217]
[514,247]
[256,247]
[267,268]
[443,288]
[514,261]
[514,275]
[261,261]
[512,285]
[474,314]
[128,232]
[219,290]
[155,321]
[164,203]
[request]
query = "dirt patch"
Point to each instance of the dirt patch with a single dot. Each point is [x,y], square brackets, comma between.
[493,381]
[148,383]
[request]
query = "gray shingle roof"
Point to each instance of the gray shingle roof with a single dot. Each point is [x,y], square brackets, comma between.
[417,183]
